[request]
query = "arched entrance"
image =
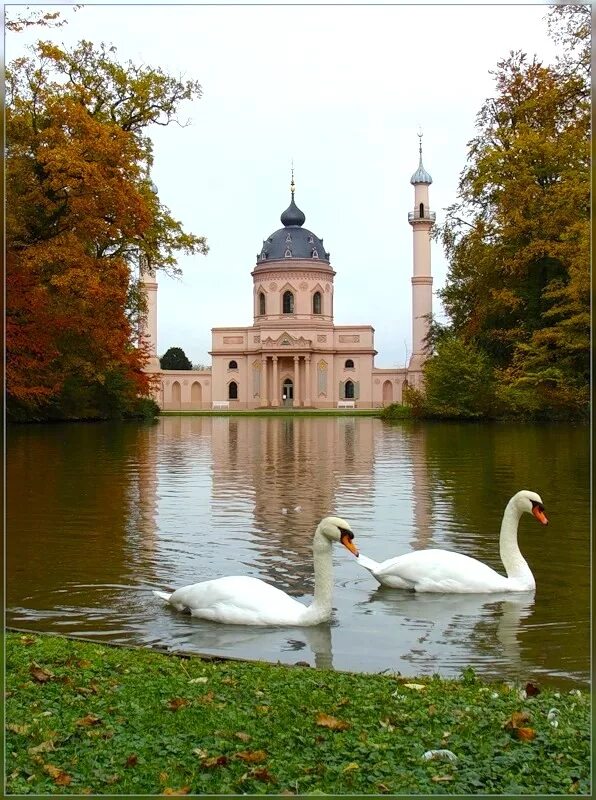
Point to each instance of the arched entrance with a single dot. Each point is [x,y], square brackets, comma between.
[287,393]
[387,393]
[176,395]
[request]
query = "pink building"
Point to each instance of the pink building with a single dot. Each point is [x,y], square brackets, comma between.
[293,354]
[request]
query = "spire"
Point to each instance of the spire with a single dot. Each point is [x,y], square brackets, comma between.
[292,216]
[421,175]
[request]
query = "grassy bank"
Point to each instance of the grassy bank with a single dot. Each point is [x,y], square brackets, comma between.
[87,718]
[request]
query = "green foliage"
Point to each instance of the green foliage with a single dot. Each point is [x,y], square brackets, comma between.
[517,239]
[175,358]
[395,411]
[458,382]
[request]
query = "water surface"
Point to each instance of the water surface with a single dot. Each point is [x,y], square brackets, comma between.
[99,515]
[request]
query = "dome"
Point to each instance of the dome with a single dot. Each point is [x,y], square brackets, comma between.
[421,175]
[293,241]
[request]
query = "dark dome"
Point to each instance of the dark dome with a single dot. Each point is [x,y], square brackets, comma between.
[293,241]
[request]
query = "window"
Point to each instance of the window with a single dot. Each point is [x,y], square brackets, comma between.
[233,365]
[288,303]
[421,210]
[261,303]
[315,254]
[316,303]
[349,390]
[349,364]
[310,240]
[233,391]
[288,253]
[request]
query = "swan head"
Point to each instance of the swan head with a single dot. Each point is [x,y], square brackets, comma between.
[336,529]
[531,503]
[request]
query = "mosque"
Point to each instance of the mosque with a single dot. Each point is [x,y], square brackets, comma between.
[293,355]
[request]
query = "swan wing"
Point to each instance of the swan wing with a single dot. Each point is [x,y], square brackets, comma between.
[441,571]
[239,600]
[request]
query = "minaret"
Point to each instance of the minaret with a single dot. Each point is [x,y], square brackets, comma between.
[148,326]
[422,220]
[148,332]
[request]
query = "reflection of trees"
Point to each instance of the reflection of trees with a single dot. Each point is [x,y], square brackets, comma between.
[67,507]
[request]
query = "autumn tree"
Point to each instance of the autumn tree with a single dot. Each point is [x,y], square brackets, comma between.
[517,239]
[175,358]
[81,213]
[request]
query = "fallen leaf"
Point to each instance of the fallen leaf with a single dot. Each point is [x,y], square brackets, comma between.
[351,766]
[206,698]
[39,674]
[252,756]
[417,686]
[325,721]
[525,734]
[163,776]
[261,775]
[441,778]
[244,737]
[263,709]
[439,755]
[84,663]
[517,720]
[199,680]
[431,710]
[382,788]
[343,701]
[27,640]
[532,689]
[44,747]
[111,779]
[229,681]
[215,761]
[200,752]
[177,702]
[21,729]
[60,777]
[183,790]
[88,720]
[91,689]
[132,760]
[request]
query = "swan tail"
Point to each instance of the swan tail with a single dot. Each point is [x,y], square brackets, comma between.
[368,563]
[162,595]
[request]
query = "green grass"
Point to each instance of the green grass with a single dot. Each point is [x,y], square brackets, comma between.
[88,718]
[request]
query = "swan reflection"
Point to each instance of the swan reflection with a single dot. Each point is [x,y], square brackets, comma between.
[473,628]
[311,645]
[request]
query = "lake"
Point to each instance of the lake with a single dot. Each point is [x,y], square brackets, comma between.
[98,515]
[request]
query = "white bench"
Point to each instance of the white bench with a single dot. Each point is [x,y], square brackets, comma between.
[221,404]
[346,404]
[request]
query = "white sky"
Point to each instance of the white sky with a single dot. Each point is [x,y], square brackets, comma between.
[341,90]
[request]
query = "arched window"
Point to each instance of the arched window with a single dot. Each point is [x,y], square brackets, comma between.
[349,364]
[349,390]
[233,391]
[421,210]
[261,303]
[288,303]
[315,253]
[316,303]
[233,365]
[288,253]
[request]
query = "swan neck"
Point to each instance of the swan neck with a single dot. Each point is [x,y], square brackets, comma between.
[515,564]
[320,609]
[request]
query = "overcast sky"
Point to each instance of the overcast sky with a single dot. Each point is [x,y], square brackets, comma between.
[341,90]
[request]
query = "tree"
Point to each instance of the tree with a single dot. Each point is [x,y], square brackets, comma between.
[175,358]
[81,214]
[517,239]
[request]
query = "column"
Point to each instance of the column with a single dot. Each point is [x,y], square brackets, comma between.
[275,387]
[263,380]
[296,381]
[307,380]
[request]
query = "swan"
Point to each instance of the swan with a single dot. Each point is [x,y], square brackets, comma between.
[446,571]
[242,600]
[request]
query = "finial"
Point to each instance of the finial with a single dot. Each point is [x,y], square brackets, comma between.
[419,132]
[292,184]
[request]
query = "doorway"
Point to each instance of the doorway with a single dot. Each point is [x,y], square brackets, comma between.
[287,393]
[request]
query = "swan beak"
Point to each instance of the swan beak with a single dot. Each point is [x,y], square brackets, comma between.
[540,515]
[347,542]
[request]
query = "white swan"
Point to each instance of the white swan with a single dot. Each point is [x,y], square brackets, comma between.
[446,571]
[242,600]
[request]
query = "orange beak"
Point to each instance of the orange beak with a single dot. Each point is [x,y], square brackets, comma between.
[540,515]
[349,544]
